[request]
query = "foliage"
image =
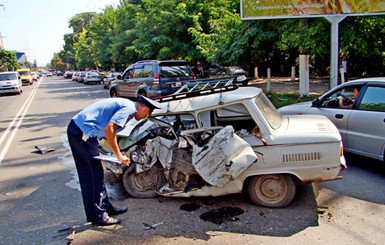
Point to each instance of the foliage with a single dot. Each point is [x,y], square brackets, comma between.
[57,63]
[281,99]
[212,32]
[8,61]
[362,41]
[85,55]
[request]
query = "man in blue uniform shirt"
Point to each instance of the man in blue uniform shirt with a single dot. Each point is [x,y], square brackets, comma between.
[103,119]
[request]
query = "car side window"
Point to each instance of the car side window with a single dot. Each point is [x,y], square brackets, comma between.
[373,99]
[137,72]
[147,71]
[332,100]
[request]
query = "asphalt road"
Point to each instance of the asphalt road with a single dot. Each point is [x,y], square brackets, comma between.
[40,202]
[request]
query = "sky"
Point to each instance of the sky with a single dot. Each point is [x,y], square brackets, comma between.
[37,27]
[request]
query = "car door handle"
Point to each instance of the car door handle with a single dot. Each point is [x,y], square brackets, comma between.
[339,116]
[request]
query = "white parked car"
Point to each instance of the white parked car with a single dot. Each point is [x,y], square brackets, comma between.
[92,77]
[35,76]
[357,108]
[224,140]
[10,83]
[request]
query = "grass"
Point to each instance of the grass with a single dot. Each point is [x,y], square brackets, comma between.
[279,99]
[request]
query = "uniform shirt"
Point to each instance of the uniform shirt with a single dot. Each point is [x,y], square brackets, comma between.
[94,118]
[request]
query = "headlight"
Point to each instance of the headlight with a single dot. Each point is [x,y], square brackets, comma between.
[134,157]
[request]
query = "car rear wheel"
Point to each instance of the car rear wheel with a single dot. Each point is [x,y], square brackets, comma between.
[113,93]
[272,190]
[141,185]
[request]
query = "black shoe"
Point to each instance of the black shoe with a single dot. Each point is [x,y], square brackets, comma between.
[107,221]
[116,211]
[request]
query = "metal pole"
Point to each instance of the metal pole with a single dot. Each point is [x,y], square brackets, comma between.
[334,20]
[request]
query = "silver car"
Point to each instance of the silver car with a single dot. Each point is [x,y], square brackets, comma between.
[357,108]
[10,83]
[92,77]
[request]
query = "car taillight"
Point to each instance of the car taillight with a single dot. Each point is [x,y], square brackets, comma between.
[156,78]
[193,74]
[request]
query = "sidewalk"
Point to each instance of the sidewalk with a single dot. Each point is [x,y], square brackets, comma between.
[317,86]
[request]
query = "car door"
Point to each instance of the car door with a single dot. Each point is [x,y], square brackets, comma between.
[130,86]
[366,124]
[147,80]
[330,108]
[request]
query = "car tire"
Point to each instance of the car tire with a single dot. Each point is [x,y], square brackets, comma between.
[272,190]
[113,93]
[141,185]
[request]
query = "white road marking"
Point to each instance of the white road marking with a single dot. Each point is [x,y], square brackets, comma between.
[18,119]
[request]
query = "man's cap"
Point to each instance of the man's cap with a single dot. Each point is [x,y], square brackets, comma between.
[152,104]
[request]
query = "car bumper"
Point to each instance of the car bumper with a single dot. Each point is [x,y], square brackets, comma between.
[9,90]
[26,81]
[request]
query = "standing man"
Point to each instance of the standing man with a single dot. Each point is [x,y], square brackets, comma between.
[102,119]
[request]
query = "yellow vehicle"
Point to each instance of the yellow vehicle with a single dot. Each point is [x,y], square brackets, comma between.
[26,76]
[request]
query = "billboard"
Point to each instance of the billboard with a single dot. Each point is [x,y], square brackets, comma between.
[267,9]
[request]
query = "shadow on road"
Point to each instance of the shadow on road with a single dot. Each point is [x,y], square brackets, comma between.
[364,180]
[185,217]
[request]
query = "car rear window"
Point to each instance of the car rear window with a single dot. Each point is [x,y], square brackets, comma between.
[175,70]
[269,112]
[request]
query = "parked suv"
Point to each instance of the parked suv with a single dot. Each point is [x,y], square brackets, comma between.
[152,78]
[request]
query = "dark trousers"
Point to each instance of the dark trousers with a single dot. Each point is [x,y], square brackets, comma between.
[90,172]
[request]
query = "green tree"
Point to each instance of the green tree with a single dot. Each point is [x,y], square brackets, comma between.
[121,50]
[362,41]
[85,55]
[213,31]
[57,63]
[81,21]
[68,54]
[8,61]
[101,32]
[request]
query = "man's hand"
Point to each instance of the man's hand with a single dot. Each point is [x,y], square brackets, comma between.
[124,160]
[111,138]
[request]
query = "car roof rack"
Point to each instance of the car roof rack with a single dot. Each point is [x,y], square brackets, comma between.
[212,86]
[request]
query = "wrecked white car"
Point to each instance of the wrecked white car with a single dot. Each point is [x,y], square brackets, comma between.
[225,140]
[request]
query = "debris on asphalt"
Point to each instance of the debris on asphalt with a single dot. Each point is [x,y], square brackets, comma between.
[43,149]
[148,227]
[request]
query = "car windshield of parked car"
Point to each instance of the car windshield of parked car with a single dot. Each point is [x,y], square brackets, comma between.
[273,117]
[8,76]
[373,99]
[236,70]
[175,71]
